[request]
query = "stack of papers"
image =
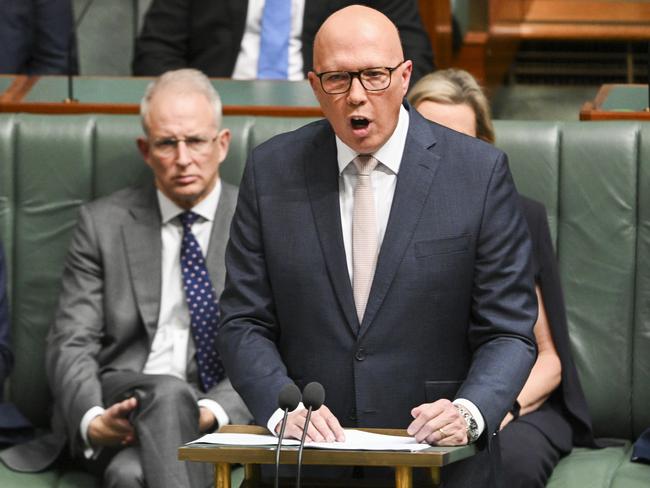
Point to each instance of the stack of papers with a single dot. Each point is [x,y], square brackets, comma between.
[355,440]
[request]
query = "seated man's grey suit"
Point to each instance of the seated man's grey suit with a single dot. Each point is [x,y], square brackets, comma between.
[102,335]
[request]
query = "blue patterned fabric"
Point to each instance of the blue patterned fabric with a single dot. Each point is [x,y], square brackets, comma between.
[202,304]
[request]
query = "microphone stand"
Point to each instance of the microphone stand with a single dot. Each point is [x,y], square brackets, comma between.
[313,397]
[288,400]
[71,48]
[302,446]
[276,484]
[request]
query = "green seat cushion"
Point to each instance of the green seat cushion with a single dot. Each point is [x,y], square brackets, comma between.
[594,468]
[631,475]
[47,479]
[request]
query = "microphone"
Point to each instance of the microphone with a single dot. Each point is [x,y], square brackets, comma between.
[72,47]
[288,400]
[313,397]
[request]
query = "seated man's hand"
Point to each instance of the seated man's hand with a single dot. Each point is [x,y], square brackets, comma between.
[113,427]
[323,426]
[438,423]
[206,420]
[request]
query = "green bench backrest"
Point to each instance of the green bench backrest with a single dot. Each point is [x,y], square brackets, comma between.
[594,179]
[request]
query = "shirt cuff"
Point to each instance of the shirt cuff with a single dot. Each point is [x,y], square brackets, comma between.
[217,410]
[277,417]
[476,413]
[89,451]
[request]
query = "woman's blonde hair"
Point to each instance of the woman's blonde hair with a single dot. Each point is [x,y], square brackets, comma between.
[454,87]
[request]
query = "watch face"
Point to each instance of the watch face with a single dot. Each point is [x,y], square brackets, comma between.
[472,430]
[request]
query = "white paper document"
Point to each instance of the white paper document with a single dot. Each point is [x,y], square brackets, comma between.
[354,440]
[243,440]
[359,440]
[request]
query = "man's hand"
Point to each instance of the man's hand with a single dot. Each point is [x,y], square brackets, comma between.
[113,428]
[206,419]
[323,426]
[438,423]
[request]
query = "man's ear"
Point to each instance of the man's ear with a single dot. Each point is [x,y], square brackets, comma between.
[313,80]
[406,75]
[224,143]
[144,147]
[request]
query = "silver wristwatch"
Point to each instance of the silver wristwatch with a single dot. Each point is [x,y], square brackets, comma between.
[472,427]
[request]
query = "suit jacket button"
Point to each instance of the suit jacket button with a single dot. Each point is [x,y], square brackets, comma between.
[360,355]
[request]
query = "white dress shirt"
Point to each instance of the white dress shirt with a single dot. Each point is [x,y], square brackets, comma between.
[249,51]
[169,348]
[383,180]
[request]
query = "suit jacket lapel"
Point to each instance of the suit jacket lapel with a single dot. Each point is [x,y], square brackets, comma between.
[416,173]
[144,250]
[219,237]
[323,188]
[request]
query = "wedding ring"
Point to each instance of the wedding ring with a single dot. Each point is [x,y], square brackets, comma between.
[443,433]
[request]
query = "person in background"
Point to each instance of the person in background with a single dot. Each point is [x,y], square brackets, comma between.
[230,38]
[130,357]
[37,37]
[550,414]
[363,257]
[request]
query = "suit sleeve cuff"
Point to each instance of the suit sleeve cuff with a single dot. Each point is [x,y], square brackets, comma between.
[217,410]
[473,409]
[89,451]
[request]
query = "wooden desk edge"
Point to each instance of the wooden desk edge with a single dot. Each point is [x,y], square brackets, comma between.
[10,105]
[592,111]
[266,455]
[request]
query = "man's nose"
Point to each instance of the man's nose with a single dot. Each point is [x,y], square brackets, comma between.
[183,156]
[357,93]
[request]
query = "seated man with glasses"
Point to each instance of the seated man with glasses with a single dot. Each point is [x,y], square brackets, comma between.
[131,356]
[383,256]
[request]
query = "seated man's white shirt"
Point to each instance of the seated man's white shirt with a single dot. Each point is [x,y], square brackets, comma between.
[249,52]
[169,348]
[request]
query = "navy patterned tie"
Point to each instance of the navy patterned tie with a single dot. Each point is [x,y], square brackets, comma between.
[202,304]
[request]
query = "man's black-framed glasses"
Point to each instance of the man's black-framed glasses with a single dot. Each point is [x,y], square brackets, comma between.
[372,79]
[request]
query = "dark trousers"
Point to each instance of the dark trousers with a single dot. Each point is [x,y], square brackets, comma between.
[528,456]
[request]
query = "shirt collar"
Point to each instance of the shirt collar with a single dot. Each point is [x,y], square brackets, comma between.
[206,208]
[390,154]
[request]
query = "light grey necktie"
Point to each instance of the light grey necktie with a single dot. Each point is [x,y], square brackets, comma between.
[364,233]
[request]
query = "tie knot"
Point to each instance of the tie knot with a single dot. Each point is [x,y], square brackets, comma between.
[187,219]
[365,164]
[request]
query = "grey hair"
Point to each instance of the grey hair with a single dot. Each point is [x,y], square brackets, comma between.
[185,80]
[454,87]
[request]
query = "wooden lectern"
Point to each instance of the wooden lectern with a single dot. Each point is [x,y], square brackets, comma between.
[223,457]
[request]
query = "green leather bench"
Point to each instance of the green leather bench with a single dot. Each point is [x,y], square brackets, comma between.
[593,177]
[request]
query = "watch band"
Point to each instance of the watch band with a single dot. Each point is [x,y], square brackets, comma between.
[472,426]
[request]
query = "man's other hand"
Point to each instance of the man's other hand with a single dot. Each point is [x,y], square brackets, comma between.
[206,420]
[438,423]
[323,426]
[113,427]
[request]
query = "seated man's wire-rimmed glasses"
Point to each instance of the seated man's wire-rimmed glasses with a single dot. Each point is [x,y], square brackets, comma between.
[372,79]
[196,145]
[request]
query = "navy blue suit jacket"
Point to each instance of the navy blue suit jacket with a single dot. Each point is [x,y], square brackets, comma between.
[452,305]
